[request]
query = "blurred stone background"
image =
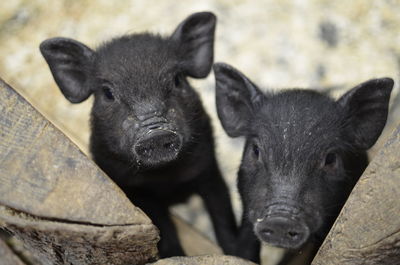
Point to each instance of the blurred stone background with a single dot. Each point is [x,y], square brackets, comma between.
[327,45]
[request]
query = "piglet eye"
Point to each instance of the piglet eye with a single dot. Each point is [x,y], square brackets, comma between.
[330,159]
[108,93]
[177,81]
[256,150]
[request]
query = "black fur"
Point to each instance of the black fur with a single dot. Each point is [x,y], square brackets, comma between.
[150,132]
[304,152]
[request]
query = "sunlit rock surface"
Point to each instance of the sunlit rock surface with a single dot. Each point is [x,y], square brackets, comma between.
[328,45]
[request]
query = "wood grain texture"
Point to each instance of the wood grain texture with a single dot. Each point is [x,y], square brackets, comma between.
[57,243]
[58,202]
[367,230]
[44,174]
[201,260]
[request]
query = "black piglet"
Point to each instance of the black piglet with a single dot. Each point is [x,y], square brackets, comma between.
[304,152]
[149,130]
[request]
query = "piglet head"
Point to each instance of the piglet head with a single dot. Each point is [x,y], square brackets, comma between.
[144,109]
[304,151]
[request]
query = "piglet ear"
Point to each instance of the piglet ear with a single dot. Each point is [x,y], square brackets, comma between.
[195,37]
[366,109]
[70,62]
[236,99]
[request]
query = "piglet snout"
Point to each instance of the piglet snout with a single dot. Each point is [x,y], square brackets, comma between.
[158,146]
[282,232]
[283,227]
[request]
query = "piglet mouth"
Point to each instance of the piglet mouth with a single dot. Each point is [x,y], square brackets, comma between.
[157,147]
[283,226]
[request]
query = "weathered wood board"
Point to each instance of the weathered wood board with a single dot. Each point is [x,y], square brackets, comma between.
[367,231]
[57,201]
[202,260]
[56,243]
[42,172]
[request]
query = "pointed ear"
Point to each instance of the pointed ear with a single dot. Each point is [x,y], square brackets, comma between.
[195,37]
[366,110]
[70,62]
[236,98]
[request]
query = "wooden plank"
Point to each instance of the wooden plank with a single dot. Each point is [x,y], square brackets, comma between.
[44,174]
[57,201]
[58,243]
[367,230]
[201,260]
